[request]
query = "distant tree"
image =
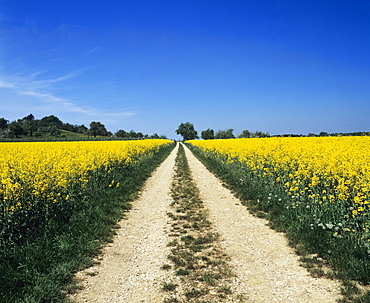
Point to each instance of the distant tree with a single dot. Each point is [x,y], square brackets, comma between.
[187,131]
[245,134]
[3,123]
[154,136]
[16,129]
[323,134]
[30,117]
[97,129]
[54,131]
[121,133]
[50,121]
[70,127]
[259,134]
[229,133]
[82,129]
[208,134]
[29,124]
[43,129]
[225,134]
[132,134]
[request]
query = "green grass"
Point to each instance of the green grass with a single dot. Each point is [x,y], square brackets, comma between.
[40,269]
[64,135]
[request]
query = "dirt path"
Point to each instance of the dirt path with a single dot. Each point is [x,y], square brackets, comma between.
[130,267]
[267,269]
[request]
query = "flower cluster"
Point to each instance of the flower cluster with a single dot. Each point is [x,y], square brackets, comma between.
[40,174]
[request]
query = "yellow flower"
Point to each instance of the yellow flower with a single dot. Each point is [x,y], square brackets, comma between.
[328,171]
[44,171]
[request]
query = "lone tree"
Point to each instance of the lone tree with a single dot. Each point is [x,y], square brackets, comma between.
[187,131]
[97,129]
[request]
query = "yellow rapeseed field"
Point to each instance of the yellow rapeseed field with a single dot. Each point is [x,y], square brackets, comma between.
[323,174]
[43,171]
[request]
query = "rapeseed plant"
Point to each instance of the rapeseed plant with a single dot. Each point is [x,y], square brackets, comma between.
[37,178]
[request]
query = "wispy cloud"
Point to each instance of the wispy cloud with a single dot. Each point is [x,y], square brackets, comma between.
[50,98]
[62,78]
[6,85]
[72,27]
[31,82]
[30,94]
[41,95]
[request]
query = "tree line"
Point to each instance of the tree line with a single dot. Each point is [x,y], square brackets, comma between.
[51,125]
[188,132]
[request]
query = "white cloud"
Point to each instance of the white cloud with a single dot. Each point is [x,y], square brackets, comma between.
[6,85]
[64,105]
[41,95]
[24,94]
[62,78]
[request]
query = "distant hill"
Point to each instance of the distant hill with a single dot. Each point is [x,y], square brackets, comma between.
[51,128]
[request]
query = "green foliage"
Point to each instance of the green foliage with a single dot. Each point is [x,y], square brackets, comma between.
[245,134]
[3,123]
[208,134]
[225,134]
[31,129]
[156,136]
[51,121]
[16,129]
[97,129]
[137,135]
[187,131]
[121,134]
[51,128]
[248,134]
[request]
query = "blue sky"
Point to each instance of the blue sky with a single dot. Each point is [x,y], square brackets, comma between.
[281,66]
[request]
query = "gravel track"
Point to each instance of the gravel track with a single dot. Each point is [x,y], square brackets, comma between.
[266,268]
[130,267]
